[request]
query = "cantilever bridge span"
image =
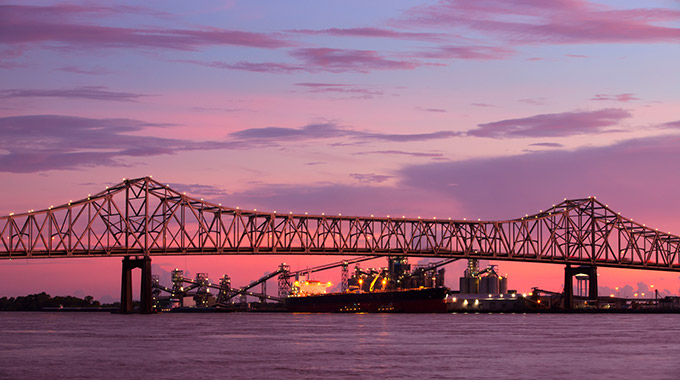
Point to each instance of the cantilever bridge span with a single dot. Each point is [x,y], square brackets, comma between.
[144,217]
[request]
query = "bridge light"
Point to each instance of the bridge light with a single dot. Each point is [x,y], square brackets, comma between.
[11,213]
[449,218]
[290,213]
[339,214]
[371,215]
[219,204]
[418,217]
[254,209]
[185,193]
[464,218]
[274,211]
[123,178]
[201,198]
[479,219]
[323,213]
[305,212]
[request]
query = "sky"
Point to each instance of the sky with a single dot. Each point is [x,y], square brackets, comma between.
[488,109]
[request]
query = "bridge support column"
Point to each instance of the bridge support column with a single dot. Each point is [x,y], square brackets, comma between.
[568,288]
[569,273]
[146,298]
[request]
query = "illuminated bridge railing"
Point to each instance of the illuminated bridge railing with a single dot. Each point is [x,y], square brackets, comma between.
[145,217]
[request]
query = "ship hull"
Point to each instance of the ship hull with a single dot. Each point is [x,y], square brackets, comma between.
[426,300]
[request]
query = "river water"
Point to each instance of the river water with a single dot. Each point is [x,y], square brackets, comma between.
[44,345]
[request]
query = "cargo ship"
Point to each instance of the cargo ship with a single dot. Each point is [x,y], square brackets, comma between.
[425,300]
[395,289]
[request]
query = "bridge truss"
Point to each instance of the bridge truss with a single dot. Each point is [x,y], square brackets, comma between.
[145,217]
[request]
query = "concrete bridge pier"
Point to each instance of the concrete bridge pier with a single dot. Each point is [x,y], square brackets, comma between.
[146,301]
[569,273]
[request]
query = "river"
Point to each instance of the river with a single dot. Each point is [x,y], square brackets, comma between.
[62,345]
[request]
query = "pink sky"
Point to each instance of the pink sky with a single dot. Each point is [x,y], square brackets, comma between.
[486,109]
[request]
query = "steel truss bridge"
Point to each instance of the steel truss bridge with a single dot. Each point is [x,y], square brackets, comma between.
[143,217]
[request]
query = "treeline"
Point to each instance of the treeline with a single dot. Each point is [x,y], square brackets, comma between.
[35,302]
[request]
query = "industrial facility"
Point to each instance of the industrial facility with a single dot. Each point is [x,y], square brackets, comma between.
[398,287]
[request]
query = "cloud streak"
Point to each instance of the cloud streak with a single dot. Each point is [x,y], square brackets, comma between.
[616,97]
[83,92]
[60,26]
[401,153]
[549,22]
[339,88]
[370,178]
[316,60]
[35,143]
[553,125]
[329,130]
[370,32]
[49,142]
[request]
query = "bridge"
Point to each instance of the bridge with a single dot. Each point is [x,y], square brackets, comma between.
[143,217]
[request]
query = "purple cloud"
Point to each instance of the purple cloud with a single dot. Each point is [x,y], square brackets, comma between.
[84,92]
[468,52]
[329,130]
[617,97]
[401,153]
[568,21]
[507,187]
[48,142]
[671,124]
[533,101]
[370,32]
[315,60]
[553,125]
[80,70]
[343,60]
[361,92]
[482,105]
[548,145]
[261,67]
[370,178]
[57,25]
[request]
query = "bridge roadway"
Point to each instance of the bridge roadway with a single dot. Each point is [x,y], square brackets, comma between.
[143,217]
